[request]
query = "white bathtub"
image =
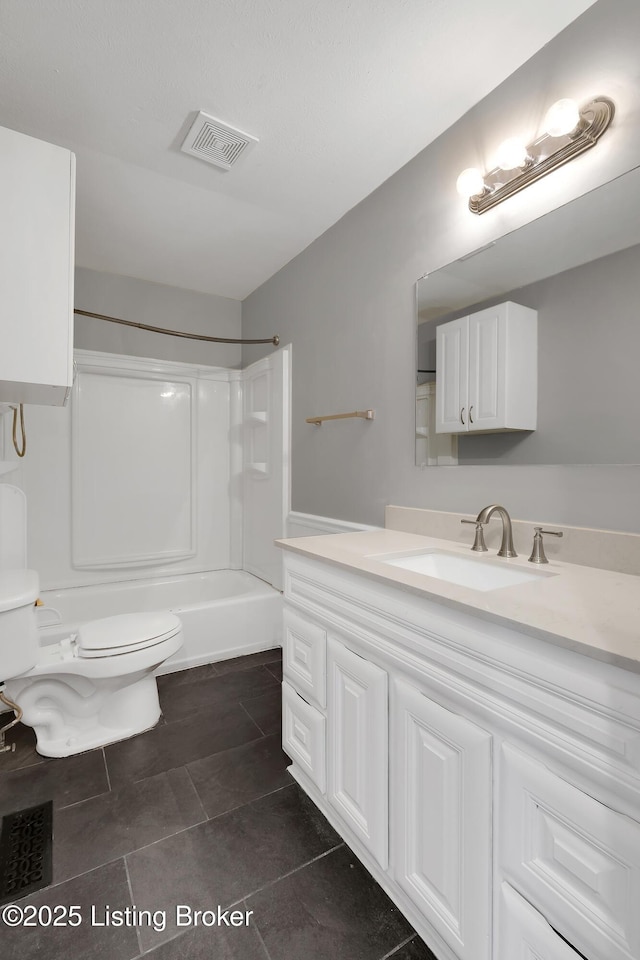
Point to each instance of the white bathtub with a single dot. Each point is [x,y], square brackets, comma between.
[224,613]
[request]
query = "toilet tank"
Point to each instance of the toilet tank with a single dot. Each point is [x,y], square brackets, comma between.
[18,628]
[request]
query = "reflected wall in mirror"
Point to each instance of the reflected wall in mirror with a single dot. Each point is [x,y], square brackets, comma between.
[579,268]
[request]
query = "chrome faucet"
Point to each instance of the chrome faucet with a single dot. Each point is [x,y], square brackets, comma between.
[506,547]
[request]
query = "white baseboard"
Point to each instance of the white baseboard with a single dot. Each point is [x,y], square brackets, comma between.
[311,525]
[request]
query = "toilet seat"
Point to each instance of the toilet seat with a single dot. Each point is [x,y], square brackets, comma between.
[125,633]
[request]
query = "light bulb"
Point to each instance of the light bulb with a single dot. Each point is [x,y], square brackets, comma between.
[512,153]
[470,183]
[562,118]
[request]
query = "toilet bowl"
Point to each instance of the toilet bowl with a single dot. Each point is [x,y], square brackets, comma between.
[96,686]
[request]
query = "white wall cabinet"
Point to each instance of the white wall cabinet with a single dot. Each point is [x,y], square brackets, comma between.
[510,768]
[487,371]
[441,818]
[37,190]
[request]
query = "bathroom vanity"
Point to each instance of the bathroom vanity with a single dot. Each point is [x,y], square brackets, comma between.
[477,748]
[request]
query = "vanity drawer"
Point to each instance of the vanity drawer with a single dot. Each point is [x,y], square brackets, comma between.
[524,934]
[573,858]
[303,735]
[305,656]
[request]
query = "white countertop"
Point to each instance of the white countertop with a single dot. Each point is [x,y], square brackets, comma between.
[595,612]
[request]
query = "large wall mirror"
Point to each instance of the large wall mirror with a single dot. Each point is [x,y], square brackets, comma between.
[579,268]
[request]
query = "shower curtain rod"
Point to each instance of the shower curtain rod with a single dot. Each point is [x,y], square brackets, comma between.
[172,333]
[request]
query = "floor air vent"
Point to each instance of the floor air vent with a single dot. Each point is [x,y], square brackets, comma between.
[216,142]
[25,852]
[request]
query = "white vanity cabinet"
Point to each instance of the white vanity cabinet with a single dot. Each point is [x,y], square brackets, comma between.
[489,780]
[37,191]
[487,371]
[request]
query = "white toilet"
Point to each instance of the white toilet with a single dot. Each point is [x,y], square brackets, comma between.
[96,686]
[91,688]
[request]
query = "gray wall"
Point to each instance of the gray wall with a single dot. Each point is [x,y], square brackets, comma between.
[160,306]
[347,302]
[588,355]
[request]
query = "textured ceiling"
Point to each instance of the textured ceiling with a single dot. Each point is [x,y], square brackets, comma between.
[340,93]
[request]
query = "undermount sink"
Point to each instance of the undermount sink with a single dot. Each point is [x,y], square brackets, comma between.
[477,573]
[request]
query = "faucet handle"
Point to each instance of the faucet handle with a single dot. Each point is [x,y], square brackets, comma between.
[478,544]
[537,554]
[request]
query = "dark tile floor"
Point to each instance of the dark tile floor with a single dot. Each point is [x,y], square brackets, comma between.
[199,812]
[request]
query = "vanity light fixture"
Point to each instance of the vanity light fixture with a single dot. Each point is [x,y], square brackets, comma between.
[568,131]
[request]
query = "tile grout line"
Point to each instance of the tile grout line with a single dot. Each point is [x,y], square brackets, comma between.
[218,673]
[28,765]
[106,770]
[241,704]
[195,790]
[241,805]
[258,934]
[208,820]
[183,933]
[126,870]
[392,953]
[260,736]
[284,876]
[221,701]
[163,943]
[76,803]
[251,666]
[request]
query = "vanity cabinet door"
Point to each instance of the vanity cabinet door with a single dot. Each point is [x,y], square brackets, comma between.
[441,819]
[452,382]
[357,747]
[524,934]
[303,735]
[574,859]
[304,656]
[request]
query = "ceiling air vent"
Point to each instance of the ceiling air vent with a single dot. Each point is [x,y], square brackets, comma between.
[216,142]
